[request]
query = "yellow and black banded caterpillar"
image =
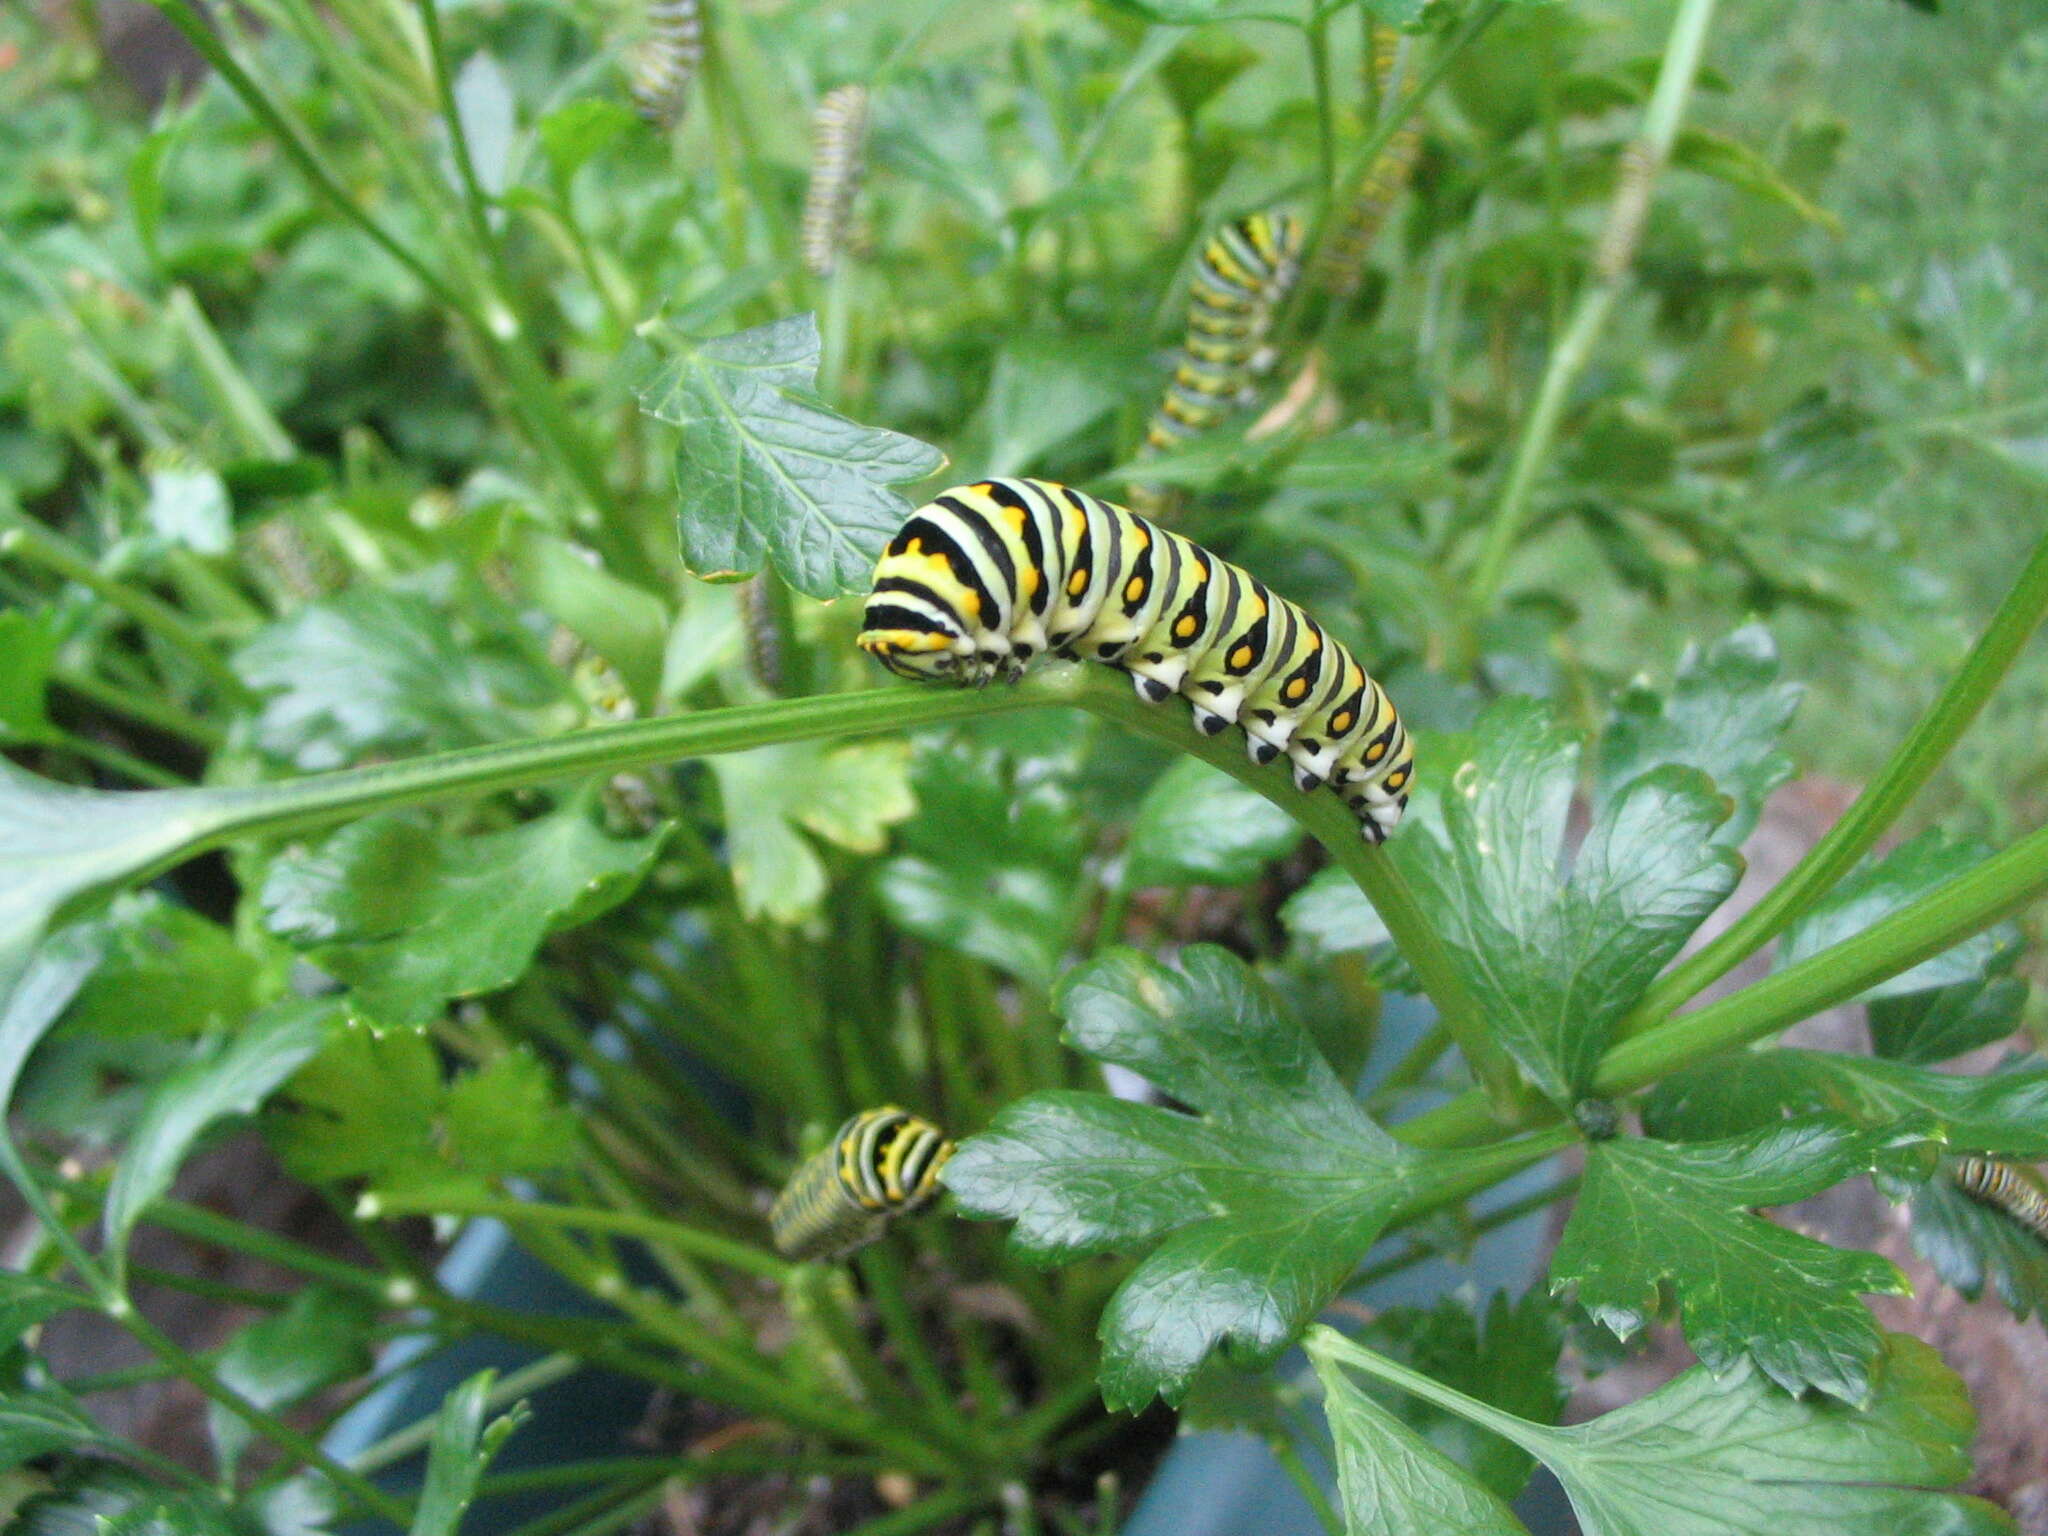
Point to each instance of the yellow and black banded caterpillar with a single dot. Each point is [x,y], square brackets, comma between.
[666,62]
[987,577]
[1245,273]
[1340,265]
[839,130]
[2016,1192]
[881,1164]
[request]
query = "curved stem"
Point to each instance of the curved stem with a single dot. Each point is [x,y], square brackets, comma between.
[1875,809]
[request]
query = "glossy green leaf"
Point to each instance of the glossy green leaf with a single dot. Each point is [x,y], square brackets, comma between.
[1725,712]
[1652,1212]
[1971,1245]
[766,472]
[1510,1362]
[1393,1482]
[1555,961]
[1259,1202]
[233,1077]
[849,796]
[1738,1457]
[1944,1022]
[1735,1456]
[462,1448]
[990,862]
[388,669]
[28,650]
[321,1337]
[1879,888]
[1199,826]
[411,919]
[2001,1113]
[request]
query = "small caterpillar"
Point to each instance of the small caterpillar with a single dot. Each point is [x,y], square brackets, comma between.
[839,130]
[1246,270]
[988,576]
[1340,265]
[881,1164]
[2005,1188]
[666,62]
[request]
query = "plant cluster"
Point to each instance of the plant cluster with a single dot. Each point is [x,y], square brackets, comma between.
[430,500]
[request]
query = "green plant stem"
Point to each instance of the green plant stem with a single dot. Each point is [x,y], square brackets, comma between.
[1327,1343]
[417,1435]
[157,713]
[1609,279]
[889,1291]
[1325,816]
[30,541]
[1316,37]
[1305,1483]
[708,1246]
[676,1468]
[1414,1065]
[1419,1253]
[233,395]
[114,760]
[1859,828]
[926,1512]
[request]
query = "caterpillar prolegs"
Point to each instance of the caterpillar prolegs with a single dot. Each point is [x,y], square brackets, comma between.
[988,577]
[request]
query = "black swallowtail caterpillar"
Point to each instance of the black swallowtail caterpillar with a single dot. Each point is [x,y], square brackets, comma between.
[1245,272]
[2006,1188]
[839,130]
[665,64]
[1340,266]
[881,1164]
[989,576]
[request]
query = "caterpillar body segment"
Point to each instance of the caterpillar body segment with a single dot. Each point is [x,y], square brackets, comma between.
[666,62]
[2005,1187]
[839,130]
[881,1164]
[986,578]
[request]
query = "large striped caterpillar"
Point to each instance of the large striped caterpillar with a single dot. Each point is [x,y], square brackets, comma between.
[2004,1187]
[666,63]
[1246,271]
[839,130]
[987,577]
[880,1164]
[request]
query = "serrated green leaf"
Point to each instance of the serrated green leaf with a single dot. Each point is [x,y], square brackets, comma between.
[1265,1197]
[1555,961]
[389,669]
[1199,826]
[362,1108]
[28,650]
[1875,890]
[462,1448]
[410,919]
[764,471]
[989,862]
[319,1338]
[1392,1481]
[2003,1114]
[1724,715]
[1969,1243]
[849,796]
[1511,1364]
[233,1078]
[506,1118]
[1652,1212]
[1737,1457]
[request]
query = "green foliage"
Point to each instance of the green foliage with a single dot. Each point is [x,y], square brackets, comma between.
[765,472]
[1196,826]
[1653,1212]
[463,1446]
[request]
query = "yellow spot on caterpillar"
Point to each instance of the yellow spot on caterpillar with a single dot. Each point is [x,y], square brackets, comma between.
[985,489]
[1015,518]
[1078,582]
[1342,723]
[1241,657]
[1397,778]
[1186,627]
[1297,688]
[1134,589]
[1376,751]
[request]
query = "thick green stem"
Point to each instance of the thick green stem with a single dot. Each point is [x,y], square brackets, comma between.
[1612,263]
[1875,809]
[1328,1344]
